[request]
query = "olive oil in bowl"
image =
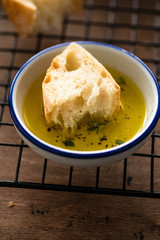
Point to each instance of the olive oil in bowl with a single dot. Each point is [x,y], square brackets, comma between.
[90,135]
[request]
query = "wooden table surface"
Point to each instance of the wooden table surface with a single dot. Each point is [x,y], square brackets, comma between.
[59,215]
[46,214]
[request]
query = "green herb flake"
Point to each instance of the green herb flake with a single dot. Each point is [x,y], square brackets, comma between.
[92,128]
[69,143]
[98,126]
[101,127]
[121,80]
[119,142]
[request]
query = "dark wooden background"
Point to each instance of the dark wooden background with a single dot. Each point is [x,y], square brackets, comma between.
[41,214]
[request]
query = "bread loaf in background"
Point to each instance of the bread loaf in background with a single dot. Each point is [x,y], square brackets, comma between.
[77,84]
[38,16]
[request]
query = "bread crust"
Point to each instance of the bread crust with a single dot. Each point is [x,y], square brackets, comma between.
[22,14]
[78,5]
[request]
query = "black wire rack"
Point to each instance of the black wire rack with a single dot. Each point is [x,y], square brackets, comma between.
[130,24]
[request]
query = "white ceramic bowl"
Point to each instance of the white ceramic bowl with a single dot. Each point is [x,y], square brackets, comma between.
[108,55]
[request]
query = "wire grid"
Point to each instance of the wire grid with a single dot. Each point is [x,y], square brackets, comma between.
[122,23]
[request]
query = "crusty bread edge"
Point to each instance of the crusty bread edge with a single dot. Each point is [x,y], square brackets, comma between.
[78,5]
[22,15]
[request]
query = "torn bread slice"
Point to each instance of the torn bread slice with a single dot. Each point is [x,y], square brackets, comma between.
[22,15]
[38,16]
[77,84]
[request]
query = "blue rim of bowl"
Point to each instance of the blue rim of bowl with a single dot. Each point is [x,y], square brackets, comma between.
[80,154]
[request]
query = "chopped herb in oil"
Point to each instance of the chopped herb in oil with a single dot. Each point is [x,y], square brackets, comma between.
[119,142]
[98,126]
[69,143]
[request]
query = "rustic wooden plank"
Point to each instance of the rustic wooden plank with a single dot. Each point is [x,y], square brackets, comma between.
[59,215]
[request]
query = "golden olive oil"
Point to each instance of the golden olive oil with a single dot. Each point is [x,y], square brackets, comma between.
[89,135]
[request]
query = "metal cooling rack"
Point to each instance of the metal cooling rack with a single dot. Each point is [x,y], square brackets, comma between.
[131,24]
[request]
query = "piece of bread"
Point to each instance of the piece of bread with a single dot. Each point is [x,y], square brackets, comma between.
[77,84]
[38,16]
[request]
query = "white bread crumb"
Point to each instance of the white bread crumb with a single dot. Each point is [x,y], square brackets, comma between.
[11,204]
[76,84]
